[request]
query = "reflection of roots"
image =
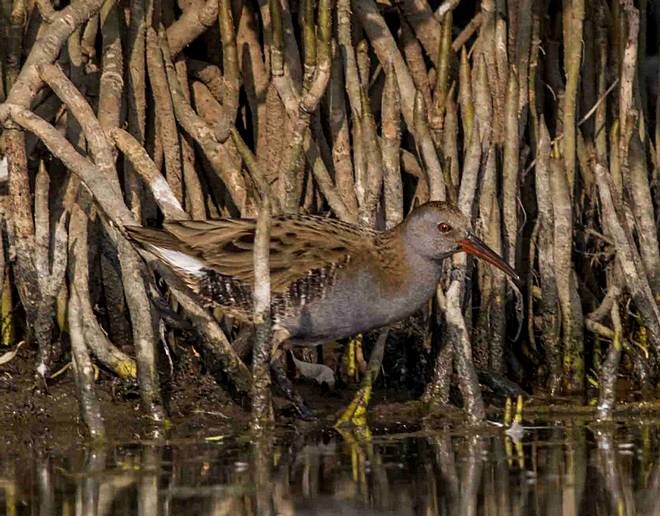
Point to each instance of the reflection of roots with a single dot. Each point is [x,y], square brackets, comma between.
[164,135]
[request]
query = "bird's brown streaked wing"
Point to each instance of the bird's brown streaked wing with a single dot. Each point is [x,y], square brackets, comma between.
[298,246]
[179,262]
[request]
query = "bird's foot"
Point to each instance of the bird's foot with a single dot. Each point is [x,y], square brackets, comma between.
[356,412]
[282,380]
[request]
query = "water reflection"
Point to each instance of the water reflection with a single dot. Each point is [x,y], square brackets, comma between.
[569,469]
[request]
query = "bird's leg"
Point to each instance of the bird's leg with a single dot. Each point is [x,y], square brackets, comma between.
[356,412]
[278,373]
[353,361]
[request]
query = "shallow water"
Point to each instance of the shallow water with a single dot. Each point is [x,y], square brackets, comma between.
[564,468]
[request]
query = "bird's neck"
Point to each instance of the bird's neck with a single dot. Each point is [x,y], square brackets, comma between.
[399,258]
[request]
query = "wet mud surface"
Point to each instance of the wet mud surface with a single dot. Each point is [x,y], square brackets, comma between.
[196,403]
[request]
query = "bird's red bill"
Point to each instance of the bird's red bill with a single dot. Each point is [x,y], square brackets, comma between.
[477,247]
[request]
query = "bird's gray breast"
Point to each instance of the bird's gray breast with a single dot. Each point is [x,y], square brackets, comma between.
[357,302]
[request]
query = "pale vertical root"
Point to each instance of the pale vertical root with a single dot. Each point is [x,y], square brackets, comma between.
[571,313]
[166,128]
[523,47]
[483,103]
[600,118]
[194,201]
[391,130]
[465,97]
[351,74]
[83,369]
[271,139]
[436,392]
[359,158]
[144,336]
[531,77]
[435,174]
[231,80]
[628,115]
[510,189]
[642,207]
[460,338]
[309,41]
[502,60]
[487,49]
[492,321]
[610,368]
[450,145]
[456,324]
[573,18]
[415,61]
[266,340]
[627,256]
[111,83]
[441,89]
[374,159]
[550,326]
[136,99]
[40,266]
[340,136]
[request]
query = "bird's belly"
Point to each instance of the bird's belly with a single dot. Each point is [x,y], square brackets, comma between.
[352,307]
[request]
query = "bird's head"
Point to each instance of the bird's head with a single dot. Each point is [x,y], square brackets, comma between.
[437,230]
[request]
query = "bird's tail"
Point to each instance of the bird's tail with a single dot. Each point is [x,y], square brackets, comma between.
[147,238]
[167,248]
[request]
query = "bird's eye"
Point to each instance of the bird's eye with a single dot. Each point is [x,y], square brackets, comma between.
[444,227]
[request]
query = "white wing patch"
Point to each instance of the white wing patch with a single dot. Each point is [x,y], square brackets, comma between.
[183,261]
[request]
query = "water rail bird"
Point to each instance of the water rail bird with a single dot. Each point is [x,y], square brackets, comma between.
[329,279]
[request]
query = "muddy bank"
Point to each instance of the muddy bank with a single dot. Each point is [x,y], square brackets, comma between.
[198,406]
[195,401]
